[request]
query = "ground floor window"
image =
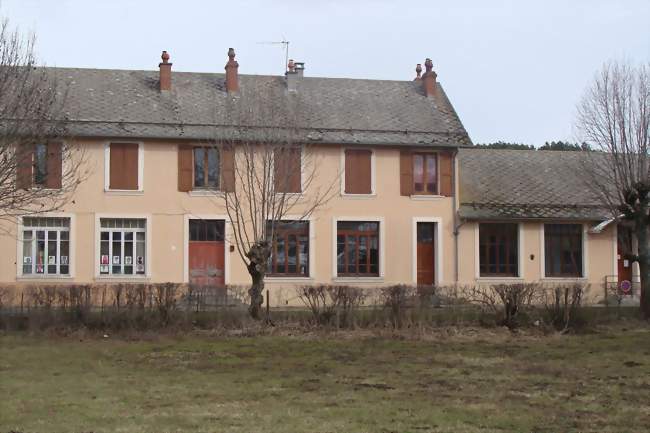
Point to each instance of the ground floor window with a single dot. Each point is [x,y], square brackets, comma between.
[563,250]
[46,246]
[122,246]
[357,248]
[289,249]
[498,249]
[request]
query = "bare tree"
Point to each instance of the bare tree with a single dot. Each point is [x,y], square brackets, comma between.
[614,118]
[269,175]
[38,171]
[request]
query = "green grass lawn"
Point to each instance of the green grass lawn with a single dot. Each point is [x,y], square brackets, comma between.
[485,382]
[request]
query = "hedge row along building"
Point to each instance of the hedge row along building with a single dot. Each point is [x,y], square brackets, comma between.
[414,202]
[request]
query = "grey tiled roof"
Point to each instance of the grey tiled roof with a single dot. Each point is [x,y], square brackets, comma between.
[526,184]
[124,103]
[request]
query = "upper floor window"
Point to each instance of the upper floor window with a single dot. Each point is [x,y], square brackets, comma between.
[40,165]
[206,167]
[563,250]
[287,170]
[498,249]
[290,249]
[122,248]
[46,246]
[124,171]
[358,171]
[357,248]
[425,173]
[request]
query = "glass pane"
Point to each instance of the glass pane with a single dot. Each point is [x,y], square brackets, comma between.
[64,257]
[213,167]
[139,236]
[418,173]
[292,251]
[140,255]
[340,254]
[28,258]
[128,255]
[40,164]
[199,161]
[363,254]
[40,252]
[431,174]
[374,255]
[279,257]
[105,236]
[304,255]
[352,254]
[425,232]
[51,252]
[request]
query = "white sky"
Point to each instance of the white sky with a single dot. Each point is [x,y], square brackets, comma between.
[514,70]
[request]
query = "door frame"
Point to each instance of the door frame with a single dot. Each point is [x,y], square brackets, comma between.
[186,243]
[437,248]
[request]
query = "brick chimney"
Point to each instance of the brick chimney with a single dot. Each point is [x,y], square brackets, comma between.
[294,74]
[165,72]
[232,79]
[429,79]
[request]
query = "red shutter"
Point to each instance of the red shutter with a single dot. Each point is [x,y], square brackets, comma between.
[228,168]
[185,167]
[287,167]
[406,172]
[24,166]
[446,161]
[358,171]
[54,165]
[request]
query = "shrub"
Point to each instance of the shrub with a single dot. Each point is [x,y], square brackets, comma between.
[395,300]
[562,303]
[505,301]
[328,302]
[164,295]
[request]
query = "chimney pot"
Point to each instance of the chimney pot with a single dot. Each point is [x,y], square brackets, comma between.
[429,79]
[294,74]
[290,65]
[232,77]
[165,72]
[418,72]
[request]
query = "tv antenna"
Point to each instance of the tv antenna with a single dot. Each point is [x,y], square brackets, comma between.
[285,45]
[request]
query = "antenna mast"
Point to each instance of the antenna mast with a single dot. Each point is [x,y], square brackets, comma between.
[285,45]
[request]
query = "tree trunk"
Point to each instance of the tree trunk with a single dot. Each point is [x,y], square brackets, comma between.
[644,265]
[258,256]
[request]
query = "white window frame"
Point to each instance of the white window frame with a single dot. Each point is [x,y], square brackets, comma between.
[71,247]
[437,247]
[585,256]
[226,243]
[312,251]
[147,239]
[520,253]
[373,190]
[302,174]
[382,249]
[107,169]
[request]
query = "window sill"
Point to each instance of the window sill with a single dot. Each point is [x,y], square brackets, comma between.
[115,279]
[564,279]
[499,279]
[359,196]
[206,193]
[123,192]
[358,279]
[287,279]
[426,197]
[44,277]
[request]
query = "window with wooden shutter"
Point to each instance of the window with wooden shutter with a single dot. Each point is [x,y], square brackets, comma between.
[123,173]
[54,165]
[406,172]
[228,169]
[446,173]
[185,162]
[24,166]
[425,173]
[287,169]
[358,171]
[206,167]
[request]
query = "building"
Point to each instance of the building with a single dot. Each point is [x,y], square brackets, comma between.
[414,204]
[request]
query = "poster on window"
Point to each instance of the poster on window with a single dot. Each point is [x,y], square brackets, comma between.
[104,260]
[128,260]
[139,264]
[116,260]
[51,260]
[103,269]
[27,260]
[64,260]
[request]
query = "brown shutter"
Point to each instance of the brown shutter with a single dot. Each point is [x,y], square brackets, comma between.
[24,166]
[358,171]
[54,165]
[124,166]
[185,167]
[227,169]
[406,172]
[287,170]
[446,162]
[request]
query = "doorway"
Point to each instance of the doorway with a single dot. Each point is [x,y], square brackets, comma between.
[426,253]
[206,252]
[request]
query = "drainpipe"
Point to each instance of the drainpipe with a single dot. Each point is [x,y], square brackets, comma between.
[457,221]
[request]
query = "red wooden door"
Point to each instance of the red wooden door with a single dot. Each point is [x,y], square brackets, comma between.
[206,253]
[426,255]
[624,266]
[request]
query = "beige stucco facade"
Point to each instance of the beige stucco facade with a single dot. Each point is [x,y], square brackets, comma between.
[167,212]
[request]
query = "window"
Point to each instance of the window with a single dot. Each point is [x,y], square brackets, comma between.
[290,249]
[46,246]
[122,246]
[206,167]
[287,170]
[563,250]
[357,248]
[358,171]
[207,230]
[498,249]
[425,173]
[40,164]
[124,168]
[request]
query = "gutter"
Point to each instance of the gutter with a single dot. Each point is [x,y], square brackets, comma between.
[603,225]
